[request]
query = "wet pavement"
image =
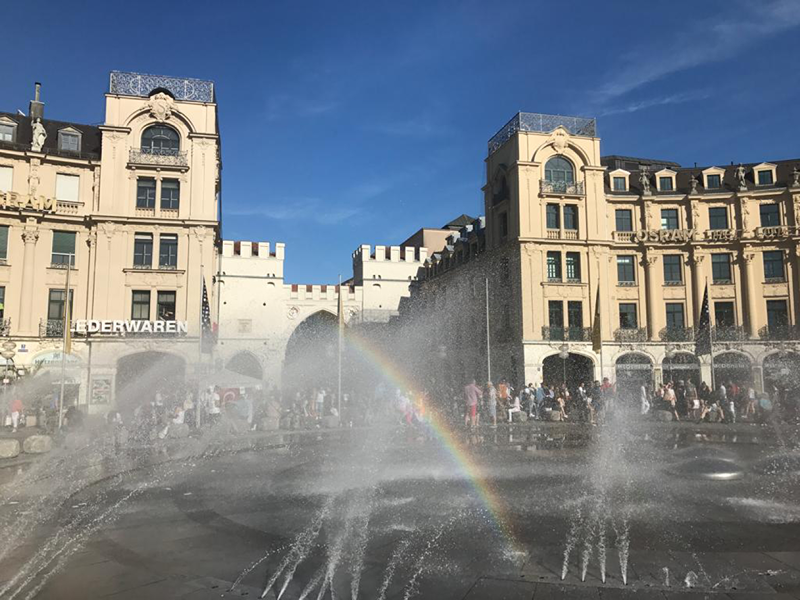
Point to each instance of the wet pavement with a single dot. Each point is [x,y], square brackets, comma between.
[469,516]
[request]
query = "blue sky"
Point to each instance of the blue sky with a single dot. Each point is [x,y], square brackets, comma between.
[359,122]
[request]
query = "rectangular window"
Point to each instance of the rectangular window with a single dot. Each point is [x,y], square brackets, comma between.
[573,262]
[713,182]
[619,184]
[765,178]
[67,187]
[721,268]
[575,314]
[503,225]
[6,174]
[773,266]
[675,317]
[2,301]
[7,132]
[770,215]
[718,217]
[624,217]
[166,306]
[724,315]
[669,218]
[554,266]
[555,309]
[145,192]
[71,142]
[3,242]
[170,194]
[627,316]
[168,251]
[143,250]
[626,271]
[673,274]
[63,248]
[55,305]
[665,184]
[553,218]
[140,305]
[777,314]
[571,217]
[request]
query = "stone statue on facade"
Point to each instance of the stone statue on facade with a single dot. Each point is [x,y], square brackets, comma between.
[644,179]
[693,182]
[740,173]
[39,135]
[795,177]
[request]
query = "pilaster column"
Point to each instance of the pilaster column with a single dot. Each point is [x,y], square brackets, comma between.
[651,291]
[29,238]
[698,287]
[750,289]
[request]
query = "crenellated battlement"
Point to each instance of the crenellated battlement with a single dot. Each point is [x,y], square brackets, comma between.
[323,293]
[248,249]
[396,254]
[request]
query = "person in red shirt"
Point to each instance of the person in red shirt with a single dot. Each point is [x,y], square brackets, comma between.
[16,412]
[471,395]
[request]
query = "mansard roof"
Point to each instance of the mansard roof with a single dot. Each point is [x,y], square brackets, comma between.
[91,137]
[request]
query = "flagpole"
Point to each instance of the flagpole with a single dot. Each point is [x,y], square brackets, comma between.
[200,353]
[488,341]
[339,354]
[66,344]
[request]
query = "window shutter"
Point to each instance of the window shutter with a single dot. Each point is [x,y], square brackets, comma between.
[64,242]
[5,178]
[67,187]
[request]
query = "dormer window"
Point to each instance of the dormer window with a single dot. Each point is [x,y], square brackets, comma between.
[665,180]
[69,140]
[764,174]
[619,180]
[8,130]
[713,182]
[619,184]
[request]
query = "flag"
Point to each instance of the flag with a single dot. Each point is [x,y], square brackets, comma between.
[597,336]
[702,339]
[206,333]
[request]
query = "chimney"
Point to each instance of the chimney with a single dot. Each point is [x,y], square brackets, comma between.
[36,108]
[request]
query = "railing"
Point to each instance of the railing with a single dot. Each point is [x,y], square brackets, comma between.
[623,236]
[676,334]
[721,281]
[553,234]
[570,234]
[142,267]
[141,84]
[543,124]
[169,213]
[674,282]
[780,279]
[144,212]
[627,283]
[779,332]
[157,156]
[561,187]
[567,334]
[729,333]
[5,327]
[630,334]
[168,267]
[52,328]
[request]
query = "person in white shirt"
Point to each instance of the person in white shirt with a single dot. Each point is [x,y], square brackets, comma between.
[514,408]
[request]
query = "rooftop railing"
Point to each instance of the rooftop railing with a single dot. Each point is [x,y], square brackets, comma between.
[141,84]
[540,123]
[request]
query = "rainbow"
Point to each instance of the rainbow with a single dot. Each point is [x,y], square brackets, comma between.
[443,433]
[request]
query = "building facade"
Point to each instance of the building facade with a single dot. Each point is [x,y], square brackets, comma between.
[573,238]
[128,212]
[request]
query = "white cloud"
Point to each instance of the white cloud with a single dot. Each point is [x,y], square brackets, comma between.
[651,102]
[280,106]
[710,40]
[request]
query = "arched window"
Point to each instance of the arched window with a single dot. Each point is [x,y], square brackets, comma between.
[559,170]
[161,140]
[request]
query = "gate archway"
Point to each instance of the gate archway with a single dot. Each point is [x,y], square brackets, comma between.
[632,371]
[732,367]
[575,369]
[682,366]
[245,363]
[311,353]
[141,375]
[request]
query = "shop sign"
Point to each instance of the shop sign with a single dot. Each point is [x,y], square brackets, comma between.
[665,235]
[54,358]
[135,326]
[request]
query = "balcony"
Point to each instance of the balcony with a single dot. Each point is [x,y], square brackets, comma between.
[51,328]
[779,332]
[623,236]
[627,335]
[729,333]
[676,334]
[562,234]
[5,327]
[561,188]
[142,84]
[158,157]
[567,334]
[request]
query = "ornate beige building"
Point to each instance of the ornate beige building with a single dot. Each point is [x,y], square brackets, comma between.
[133,206]
[566,227]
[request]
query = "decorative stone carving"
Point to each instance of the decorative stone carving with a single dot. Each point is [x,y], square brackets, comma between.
[33,177]
[696,259]
[745,216]
[693,182]
[795,176]
[644,179]
[797,211]
[30,236]
[748,257]
[292,313]
[559,139]
[160,106]
[91,239]
[649,261]
[107,229]
[696,215]
[39,135]
[740,173]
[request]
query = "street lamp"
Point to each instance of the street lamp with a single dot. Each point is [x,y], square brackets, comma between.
[8,353]
[563,354]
